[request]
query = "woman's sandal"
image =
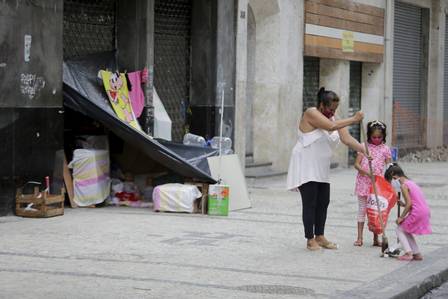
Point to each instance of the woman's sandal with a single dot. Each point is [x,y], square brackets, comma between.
[313,248]
[312,245]
[358,243]
[328,245]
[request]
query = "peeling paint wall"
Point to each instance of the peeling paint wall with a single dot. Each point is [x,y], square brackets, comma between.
[31,53]
[31,119]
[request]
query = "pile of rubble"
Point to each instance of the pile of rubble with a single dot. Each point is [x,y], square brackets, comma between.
[427,155]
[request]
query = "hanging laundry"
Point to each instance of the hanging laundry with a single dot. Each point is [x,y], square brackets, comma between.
[136,94]
[117,91]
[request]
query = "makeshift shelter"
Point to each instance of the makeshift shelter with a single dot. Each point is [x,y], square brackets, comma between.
[84,93]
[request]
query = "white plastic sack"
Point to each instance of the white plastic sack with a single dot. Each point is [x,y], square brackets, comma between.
[90,176]
[175,198]
[162,121]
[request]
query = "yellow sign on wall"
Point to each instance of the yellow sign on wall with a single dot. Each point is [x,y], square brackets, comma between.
[348,41]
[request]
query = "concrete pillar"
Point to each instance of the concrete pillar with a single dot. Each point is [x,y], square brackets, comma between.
[372,91]
[241,123]
[434,108]
[335,76]
[291,89]
[203,68]
[213,67]
[225,65]
[278,79]
[386,106]
[136,23]
[267,79]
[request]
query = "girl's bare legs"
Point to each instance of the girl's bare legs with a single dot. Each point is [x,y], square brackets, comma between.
[358,241]
[376,241]
[362,205]
[404,240]
[415,250]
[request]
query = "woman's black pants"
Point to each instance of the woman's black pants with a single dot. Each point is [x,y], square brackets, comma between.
[315,201]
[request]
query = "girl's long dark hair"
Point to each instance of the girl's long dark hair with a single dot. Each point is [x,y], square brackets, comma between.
[392,170]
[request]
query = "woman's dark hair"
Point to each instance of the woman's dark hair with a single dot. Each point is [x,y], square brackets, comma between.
[392,170]
[376,125]
[326,97]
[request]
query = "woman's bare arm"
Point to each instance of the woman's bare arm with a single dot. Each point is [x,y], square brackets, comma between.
[318,120]
[349,141]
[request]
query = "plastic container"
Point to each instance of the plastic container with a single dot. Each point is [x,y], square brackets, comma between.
[226,144]
[195,140]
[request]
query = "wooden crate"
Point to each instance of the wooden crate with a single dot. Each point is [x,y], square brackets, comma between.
[201,203]
[44,205]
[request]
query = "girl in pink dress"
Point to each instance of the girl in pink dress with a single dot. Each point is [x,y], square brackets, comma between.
[380,154]
[414,220]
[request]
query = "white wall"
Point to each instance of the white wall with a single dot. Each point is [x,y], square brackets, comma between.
[335,76]
[278,79]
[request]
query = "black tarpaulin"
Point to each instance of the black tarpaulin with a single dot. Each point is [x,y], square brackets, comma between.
[84,92]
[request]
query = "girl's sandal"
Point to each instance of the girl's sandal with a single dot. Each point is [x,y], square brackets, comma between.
[417,257]
[358,243]
[377,244]
[406,258]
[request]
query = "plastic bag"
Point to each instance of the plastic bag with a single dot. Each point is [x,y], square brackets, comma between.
[175,198]
[387,199]
[90,176]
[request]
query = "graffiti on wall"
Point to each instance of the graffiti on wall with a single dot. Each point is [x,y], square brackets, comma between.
[31,85]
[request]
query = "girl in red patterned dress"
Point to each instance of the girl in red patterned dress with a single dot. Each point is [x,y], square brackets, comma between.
[380,154]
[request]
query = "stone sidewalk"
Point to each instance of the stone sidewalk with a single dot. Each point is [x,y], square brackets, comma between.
[254,253]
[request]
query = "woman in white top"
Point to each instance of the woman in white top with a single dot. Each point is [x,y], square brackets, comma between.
[318,134]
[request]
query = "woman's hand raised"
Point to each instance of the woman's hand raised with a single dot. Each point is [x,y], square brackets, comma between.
[358,117]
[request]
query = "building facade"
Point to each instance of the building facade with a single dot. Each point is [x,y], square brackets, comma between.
[386,58]
[265,58]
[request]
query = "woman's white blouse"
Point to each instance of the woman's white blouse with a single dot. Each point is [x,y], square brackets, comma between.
[311,158]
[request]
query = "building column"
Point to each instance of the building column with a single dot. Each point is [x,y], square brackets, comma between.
[136,22]
[225,67]
[241,80]
[386,109]
[335,76]
[434,108]
[372,91]
[290,102]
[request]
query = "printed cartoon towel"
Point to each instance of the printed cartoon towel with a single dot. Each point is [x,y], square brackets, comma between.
[387,199]
[118,94]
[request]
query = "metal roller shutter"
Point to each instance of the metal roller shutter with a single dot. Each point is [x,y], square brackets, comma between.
[172,59]
[89,27]
[310,81]
[407,75]
[445,91]
[355,102]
